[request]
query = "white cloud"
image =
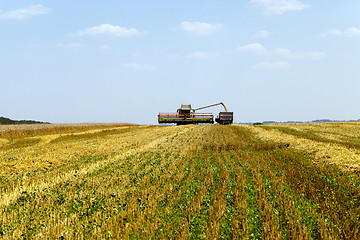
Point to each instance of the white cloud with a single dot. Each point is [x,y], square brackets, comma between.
[71,45]
[25,13]
[350,32]
[278,65]
[200,28]
[256,48]
[109,30]
[335,32]
[261,34]
[105,47]
[286,53]
[277,7]
[203,55]
[139,67]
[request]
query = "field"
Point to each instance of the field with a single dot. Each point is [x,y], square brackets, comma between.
[117,181]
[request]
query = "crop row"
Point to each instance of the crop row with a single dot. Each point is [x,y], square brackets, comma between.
[191,182]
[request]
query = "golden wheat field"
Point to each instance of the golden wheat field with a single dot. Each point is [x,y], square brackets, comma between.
[122,181]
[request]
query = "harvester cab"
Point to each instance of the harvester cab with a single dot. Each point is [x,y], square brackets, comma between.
[184,110]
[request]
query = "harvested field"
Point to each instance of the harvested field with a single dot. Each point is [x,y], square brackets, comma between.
[281,181]
[332,143]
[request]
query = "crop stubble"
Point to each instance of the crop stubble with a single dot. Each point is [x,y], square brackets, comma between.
[194,182]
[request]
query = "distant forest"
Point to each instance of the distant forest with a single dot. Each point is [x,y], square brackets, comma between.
[314,121]
[6,121]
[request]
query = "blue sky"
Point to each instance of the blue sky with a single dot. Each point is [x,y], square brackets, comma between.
[125,61]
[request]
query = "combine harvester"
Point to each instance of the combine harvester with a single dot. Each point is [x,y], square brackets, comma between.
[186,115]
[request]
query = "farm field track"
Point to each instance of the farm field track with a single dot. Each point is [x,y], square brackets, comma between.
[119,181]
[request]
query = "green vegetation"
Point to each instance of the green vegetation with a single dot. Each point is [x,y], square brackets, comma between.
[183,182]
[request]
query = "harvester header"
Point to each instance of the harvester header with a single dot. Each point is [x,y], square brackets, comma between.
[187,115]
